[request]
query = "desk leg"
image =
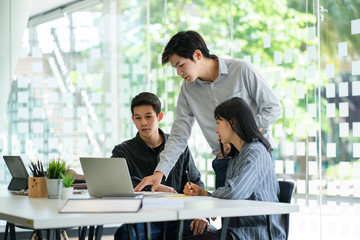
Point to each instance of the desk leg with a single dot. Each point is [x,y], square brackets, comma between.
[180,230]
[91,233]
[163,230]
[49,234]
[82,232]
[98,232]
[224,227]
[269,227]
[12,231]
[148,230]
[130,231]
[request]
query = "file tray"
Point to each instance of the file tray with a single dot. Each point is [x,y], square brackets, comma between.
[101,205]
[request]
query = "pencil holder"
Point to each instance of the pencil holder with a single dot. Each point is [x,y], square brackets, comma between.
[37,187]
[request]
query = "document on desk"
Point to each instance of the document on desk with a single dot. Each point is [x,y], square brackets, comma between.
[98,205]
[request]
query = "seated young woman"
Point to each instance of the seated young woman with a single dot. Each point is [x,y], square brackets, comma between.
[250,174]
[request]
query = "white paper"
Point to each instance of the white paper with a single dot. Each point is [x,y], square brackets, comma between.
[343,89]
[257,59]
[300,130]
[312,149]
[37,113]
[37,127]
[278,130]
[289,148]
[67,98]
[52,83]
[330,70]
[311,33]
[312,130]
[300,149]
[356,88]
[237,46]
[247,59]
[288,56]
[23,113]
[289,167]
[312,109]
[311,71]
[300,186]
[36,52]
[23,127]
[267,41]
[278,57]
[330,110]
[355,26]
[312,168]
[330,90]
[356,129]
[289,111]
[289,92]
[344,169]
[37,82]
[23,97]
[356,150]
[300,75]
[81,67]
[23,82]
[300,92]
[356,169]
[331,150]
[311,52]
[344,109]
[279,166]
[342,49]
[37,67]
[96,97]
[53,143]
[356,68]
[331,188]
[344,129]
[53,97]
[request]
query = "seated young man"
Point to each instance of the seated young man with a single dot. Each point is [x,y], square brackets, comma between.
[142,155]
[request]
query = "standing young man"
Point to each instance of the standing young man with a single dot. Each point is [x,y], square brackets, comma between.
[208,81]
[142,155]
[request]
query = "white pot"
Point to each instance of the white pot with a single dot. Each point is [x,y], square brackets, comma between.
[66,192]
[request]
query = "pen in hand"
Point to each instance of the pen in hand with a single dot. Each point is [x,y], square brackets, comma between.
[188,177]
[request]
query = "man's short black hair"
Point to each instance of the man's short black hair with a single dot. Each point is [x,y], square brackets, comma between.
[184,45]
[146,98]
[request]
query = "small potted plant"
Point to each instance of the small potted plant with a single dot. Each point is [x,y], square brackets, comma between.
[53,180]
[67,190]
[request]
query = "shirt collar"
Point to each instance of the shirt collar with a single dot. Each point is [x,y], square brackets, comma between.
[145,146]
[223,70]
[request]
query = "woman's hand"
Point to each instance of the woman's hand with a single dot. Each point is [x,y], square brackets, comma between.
[198,226]
[194,190]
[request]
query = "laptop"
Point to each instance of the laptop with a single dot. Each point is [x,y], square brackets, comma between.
[19,180]
[107,177]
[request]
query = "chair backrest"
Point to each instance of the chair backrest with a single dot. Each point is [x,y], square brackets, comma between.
[286,191]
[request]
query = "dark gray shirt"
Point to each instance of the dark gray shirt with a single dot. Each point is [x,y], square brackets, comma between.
[199,99]
[142,161]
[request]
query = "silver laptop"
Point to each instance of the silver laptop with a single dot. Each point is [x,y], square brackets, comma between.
[107,177]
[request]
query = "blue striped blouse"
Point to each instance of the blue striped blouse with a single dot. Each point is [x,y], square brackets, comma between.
[251,176]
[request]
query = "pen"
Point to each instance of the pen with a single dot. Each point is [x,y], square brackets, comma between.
[187,174]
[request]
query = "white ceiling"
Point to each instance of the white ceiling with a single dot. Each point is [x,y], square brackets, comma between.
[41,6]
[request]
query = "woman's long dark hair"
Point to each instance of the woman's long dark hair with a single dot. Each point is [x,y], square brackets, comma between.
[238,113]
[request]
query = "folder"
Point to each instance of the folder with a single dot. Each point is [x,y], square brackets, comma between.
[102,205]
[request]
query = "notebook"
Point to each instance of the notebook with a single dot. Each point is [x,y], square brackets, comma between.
[107,177]
[18,172]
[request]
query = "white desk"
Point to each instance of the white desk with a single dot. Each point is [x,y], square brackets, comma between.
[42,213]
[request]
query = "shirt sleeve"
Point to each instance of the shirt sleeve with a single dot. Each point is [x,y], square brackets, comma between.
[180,134]
[245,179]
[269,106]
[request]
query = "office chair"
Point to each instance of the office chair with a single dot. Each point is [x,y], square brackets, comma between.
[286,191]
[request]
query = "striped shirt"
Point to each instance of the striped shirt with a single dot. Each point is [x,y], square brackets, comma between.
[198,100]
[251,176]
